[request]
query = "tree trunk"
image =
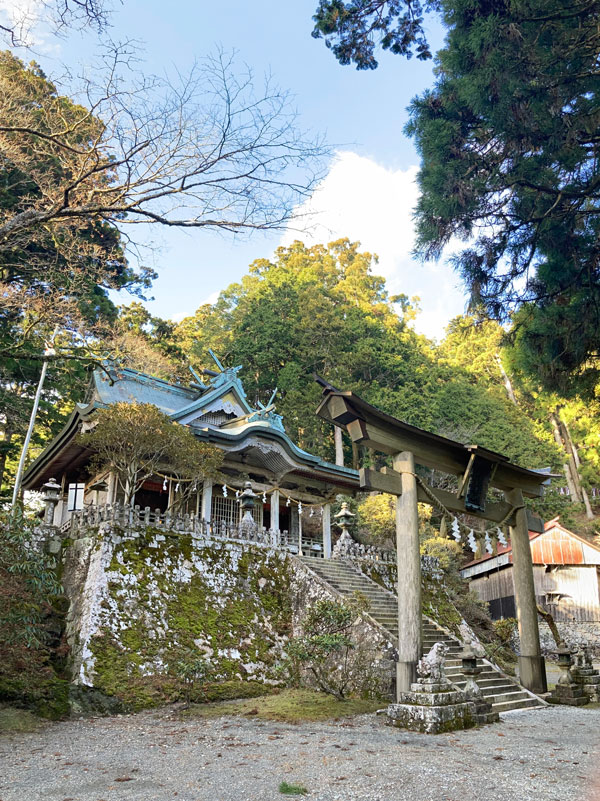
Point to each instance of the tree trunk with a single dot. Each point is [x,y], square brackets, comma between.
[556,430]
[577,464]
[355,456]
[506,380]
[552,626]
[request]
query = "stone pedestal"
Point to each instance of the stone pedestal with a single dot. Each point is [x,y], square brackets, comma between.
[432,709]
[483,708]
[432,705]
[586,675]
[567,690]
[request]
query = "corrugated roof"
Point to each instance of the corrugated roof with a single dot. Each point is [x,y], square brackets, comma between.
[561,547]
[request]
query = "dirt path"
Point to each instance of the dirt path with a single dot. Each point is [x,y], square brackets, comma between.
[547,755]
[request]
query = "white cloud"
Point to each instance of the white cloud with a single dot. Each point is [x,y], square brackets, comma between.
[367,202]
[28,20]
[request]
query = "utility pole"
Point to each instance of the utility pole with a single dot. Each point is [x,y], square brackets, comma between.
[49,351]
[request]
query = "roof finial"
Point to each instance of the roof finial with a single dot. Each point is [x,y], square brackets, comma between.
[216,361]
[199,382]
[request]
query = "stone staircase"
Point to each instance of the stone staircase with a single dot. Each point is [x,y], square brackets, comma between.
[504,693]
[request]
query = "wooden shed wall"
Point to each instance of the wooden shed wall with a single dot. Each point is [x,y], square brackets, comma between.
[570,593]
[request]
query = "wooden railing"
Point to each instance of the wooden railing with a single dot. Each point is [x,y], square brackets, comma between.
[134,518]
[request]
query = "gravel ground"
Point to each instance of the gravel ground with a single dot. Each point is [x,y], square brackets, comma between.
[546,755]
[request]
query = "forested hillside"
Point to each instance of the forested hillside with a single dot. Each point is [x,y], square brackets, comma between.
[324,310]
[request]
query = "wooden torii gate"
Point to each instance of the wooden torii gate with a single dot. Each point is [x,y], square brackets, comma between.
[477,469]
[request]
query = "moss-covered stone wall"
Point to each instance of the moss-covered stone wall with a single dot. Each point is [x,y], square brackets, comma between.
[146,608]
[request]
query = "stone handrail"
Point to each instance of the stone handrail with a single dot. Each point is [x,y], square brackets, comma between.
[134,518]
[348,548]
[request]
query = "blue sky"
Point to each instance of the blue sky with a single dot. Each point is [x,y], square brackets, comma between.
[370,190]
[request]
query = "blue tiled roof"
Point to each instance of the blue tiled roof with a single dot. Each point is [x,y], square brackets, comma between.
[130,386]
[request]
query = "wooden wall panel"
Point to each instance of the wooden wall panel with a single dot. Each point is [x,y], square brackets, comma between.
[569,592]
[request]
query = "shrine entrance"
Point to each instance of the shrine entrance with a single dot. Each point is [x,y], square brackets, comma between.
[476,469]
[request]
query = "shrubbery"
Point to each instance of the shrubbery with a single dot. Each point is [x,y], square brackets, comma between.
[32,648]
[329,653]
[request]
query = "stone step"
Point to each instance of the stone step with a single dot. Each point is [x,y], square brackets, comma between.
[494,685]
[521,703]
[495,691]
[504,694]
[510,695]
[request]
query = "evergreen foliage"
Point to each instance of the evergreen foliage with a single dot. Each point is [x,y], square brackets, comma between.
[32,652]
[328,651]
[322,310]
[509,144]
[353,30]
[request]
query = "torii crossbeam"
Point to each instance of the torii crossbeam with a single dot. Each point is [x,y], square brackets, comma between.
[477,469]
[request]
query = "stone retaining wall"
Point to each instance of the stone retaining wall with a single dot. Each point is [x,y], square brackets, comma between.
[576,635]
[143,606]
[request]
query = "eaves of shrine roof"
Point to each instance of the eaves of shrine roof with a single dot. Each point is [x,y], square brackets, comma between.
[186,406]
[236,437]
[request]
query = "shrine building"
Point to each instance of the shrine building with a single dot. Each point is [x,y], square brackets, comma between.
[294,488]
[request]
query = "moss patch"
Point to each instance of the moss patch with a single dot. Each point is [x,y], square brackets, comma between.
[170,600]
[14,720]
[288,706]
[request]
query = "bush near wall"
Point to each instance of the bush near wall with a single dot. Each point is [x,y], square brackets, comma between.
[33,652]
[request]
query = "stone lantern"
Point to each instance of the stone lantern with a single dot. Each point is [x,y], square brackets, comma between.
[344,517]
[50,497]
[247,502]
[567,690]
[345,544]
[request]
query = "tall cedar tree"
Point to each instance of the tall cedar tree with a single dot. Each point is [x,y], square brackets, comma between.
[510,160]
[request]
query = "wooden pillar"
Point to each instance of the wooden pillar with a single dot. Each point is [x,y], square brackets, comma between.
[532,669]
[275,510]
[206,508]
[326,527]
[339,446]
[409,575]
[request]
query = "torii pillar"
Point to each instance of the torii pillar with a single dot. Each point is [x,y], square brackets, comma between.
[532,670]
[409,575]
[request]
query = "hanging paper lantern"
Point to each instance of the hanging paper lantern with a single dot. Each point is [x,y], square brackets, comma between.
[456,530]
[488,543]
[472,541]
